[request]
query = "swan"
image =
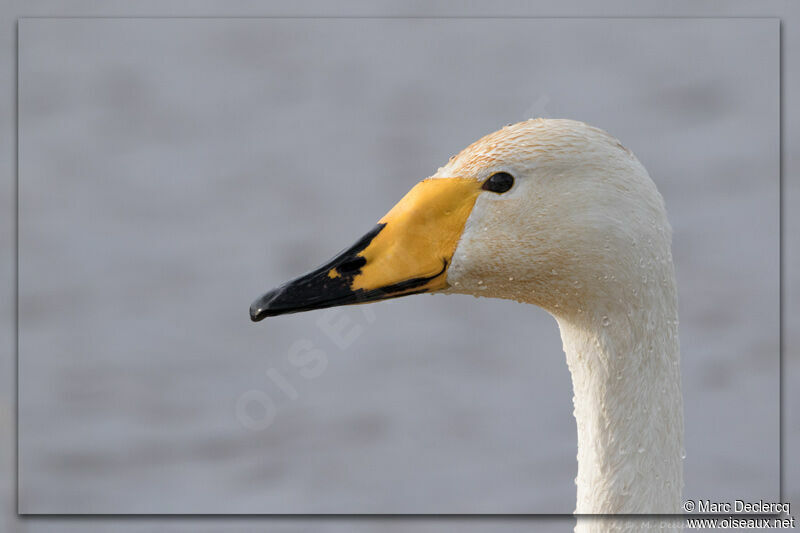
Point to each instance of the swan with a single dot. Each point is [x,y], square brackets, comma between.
[558,214]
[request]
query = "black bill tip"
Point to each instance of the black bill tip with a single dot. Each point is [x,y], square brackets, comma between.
[260,309]
[331,285]
[296,296]
[317,289]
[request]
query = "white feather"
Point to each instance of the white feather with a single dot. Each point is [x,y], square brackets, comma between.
[584,234]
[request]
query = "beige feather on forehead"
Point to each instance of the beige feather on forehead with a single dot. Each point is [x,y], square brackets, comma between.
[533,141]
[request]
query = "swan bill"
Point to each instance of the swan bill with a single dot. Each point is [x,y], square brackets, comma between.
[407,252]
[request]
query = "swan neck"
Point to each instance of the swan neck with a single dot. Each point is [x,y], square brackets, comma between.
[625,371]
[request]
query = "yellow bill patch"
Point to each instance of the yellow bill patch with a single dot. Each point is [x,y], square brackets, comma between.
[420,235]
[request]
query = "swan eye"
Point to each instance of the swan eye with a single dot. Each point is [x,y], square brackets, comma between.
[499,182]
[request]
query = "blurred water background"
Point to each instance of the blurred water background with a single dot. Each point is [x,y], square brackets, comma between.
[171,170]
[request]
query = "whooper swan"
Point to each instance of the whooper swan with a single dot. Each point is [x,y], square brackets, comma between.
[557,214]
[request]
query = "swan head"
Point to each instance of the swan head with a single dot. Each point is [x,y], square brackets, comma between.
[547,211]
